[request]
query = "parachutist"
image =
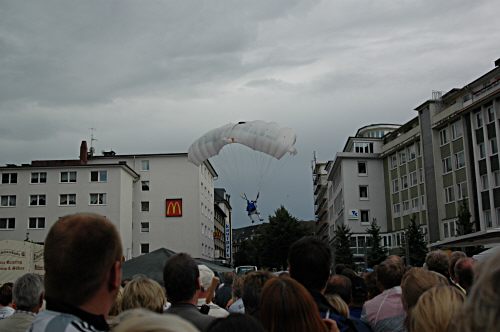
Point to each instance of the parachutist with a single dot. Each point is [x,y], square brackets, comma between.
[252,207]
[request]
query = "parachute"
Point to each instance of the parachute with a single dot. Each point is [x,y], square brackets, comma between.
[266,137]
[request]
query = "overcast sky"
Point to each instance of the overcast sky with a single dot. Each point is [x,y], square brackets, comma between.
[152,76]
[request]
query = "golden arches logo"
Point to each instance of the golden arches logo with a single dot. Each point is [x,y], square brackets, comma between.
[173,207]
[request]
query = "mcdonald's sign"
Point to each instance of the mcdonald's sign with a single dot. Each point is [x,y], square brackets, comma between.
[173,207]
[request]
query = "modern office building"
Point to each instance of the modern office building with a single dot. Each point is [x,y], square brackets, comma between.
[155,200]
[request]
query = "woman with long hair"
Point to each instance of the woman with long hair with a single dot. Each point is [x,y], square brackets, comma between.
[287,306]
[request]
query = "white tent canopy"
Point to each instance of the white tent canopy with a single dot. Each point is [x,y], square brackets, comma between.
[487,253]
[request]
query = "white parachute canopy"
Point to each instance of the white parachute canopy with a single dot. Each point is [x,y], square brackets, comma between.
[266,137]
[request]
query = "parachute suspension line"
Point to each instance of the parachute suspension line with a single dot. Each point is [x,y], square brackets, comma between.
[281,165]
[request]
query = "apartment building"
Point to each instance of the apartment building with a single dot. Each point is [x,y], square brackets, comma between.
[223,226]
[155,200]
[443,159]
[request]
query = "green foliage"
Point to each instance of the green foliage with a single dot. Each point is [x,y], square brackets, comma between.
[342,244]
[464,225]
[417,248]
[376,253]
[269,247]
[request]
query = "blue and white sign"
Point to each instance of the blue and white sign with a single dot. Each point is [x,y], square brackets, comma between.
[228,241]
[353,214]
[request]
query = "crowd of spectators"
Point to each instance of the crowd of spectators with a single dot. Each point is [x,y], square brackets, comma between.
[82,291]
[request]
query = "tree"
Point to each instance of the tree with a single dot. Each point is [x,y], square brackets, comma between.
[464,225]
[415,242]
[246,254]
[342,244]
[376,253]
[275,238]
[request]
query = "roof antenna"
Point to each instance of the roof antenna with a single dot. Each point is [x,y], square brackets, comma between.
[92,139]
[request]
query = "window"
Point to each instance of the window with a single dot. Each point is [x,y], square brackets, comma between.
[421,174]
[394,161]
[443,136]
[144,248]
[9,178]
[404,181]
[363,147]
[362,168]
[365,215]
[363,192]
[447,165]
[456,129]
[413,178]
[406,206]
[68,177]
[396,208]
[446,230]
[487,218]
[39,177]
[459,160]
[67,199]
[449,195]
[37,200]
[395,185]
[36,223]
[482,151]
[7,223]
[145,185]
[414,204]
[491,113]
[145,227]
[145,165]
[411,152]
[402,158]
[479,119]
[452,228]
[144,206]
[461,190]
[7,200]
[493,146]
[496,178]
[98,176]
[498,217]
[484,182]
[422,202]
[97,199]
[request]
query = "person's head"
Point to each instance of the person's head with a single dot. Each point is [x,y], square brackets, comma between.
[415,282]
[237,287]
[143,292]
[359,290]
[454,257]
[340,285]
[253,283]
[228,278]
[6,294]
[371,285]
[287,306]
[389,273]
[236,323]
[482,306]
[82,256]
[396,259]
[464,272]
[141,320]
[339,304]
[206,278]
[309,262]
[438,261]
[436,308]
[27,293]
[181,278]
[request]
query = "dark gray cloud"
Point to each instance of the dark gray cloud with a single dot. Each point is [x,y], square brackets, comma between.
[152,76]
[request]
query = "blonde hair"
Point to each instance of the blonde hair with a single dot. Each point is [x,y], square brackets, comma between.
[140,320]
[116,309]
[142,292]
[436,308]
[415,282]
[339,304]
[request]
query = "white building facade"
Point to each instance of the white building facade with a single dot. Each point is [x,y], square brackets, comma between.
[155,200]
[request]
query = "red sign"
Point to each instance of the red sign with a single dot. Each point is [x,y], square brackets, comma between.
[173,207]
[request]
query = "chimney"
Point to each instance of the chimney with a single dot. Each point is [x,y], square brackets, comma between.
[83,152]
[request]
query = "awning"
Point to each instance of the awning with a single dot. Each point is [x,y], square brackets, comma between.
[488,237]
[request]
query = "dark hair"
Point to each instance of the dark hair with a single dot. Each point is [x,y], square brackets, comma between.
[359,291]
[79,251]
[310,259]
[253,283]
[340,285]
[371,285]
[287,306]
[236,323]
[228,278]
[439,262]
[464,272]
[180,276]
[454,257]
[389,274]
[6,294]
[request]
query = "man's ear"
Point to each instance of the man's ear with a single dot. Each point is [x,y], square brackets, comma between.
[115,276]
[42,296]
